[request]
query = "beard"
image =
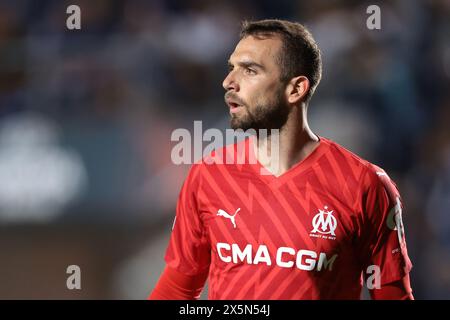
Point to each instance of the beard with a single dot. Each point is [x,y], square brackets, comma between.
[264,115]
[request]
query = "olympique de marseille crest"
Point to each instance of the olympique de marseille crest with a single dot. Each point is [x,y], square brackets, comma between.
[324,224]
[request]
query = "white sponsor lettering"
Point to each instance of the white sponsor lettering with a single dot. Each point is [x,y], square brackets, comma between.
[280,252]
[324,262]
[262,255]
[306,264]
[285,257]
[241,255]
[224,246]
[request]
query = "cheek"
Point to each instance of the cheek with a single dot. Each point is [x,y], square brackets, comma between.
[265,98]
[258,92]
[253,93]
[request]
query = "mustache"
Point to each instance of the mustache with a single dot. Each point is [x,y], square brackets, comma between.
[233,97]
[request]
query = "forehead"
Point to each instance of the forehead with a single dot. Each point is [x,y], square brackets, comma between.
[263,51]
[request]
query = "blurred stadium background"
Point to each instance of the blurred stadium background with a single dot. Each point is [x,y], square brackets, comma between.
[86,117]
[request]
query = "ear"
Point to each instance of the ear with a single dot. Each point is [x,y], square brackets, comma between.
[297,88]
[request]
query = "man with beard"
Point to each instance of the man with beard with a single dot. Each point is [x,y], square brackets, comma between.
[315,224]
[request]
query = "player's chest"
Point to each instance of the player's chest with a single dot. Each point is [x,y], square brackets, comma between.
[292,216]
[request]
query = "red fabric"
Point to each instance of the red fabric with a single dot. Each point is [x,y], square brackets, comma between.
[173,285]
[397,290]
[307,234]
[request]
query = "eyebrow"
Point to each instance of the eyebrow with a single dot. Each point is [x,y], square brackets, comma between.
[247,64]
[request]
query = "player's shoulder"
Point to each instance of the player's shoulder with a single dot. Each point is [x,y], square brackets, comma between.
[370,173]
[342,154]
[230,154]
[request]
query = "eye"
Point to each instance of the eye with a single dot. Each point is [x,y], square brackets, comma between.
[249,71]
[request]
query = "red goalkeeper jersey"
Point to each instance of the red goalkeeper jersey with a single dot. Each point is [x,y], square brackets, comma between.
[316,232]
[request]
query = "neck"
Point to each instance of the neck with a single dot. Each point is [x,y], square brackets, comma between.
[295,142]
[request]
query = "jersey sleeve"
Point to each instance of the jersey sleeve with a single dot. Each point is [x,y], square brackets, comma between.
[189,250]
[383,242]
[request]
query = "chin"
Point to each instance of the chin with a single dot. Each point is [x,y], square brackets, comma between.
[236,123]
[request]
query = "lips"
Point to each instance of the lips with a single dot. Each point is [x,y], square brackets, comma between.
[234,105]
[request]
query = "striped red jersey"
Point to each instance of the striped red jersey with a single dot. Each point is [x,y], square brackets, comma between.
[318,231]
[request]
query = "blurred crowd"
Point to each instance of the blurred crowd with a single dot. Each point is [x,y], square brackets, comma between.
[86,115]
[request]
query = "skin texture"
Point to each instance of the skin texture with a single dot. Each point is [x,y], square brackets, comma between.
[254,82]
[267,102]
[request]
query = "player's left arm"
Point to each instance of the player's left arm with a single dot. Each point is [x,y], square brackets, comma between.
[174,285]
[383,241]
[397,290]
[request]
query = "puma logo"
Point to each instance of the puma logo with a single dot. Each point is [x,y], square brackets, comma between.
[225,214]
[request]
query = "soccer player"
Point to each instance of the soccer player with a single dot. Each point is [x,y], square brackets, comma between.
[317,224]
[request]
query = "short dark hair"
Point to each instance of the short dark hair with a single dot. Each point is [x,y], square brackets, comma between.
[300,54]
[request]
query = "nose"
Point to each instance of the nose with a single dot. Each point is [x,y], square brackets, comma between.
[229,83]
